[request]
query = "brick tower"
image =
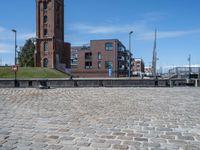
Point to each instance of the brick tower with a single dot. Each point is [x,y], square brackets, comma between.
[51,51]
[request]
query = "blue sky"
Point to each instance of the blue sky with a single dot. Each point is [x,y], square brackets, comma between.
[177,22]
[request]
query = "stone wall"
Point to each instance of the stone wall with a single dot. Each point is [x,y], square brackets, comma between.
[58,83]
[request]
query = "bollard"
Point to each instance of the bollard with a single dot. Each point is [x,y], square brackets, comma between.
[196,83]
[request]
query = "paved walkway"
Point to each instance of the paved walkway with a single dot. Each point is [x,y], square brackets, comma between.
[100,119]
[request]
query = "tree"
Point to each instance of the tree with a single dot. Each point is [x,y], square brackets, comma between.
[26,54]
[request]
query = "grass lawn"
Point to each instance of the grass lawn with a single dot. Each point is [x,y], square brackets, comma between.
[31,72]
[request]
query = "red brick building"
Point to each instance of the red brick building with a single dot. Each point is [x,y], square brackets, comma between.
[51,51]
[138,67]
[103,58]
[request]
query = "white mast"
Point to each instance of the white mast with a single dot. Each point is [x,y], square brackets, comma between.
[154,59]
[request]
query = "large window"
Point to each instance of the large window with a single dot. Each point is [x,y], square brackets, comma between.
[109,46]
[45,62]
[99,64]
[88,65]
[45,19]
[88,56]
[45,46]
[45,32]
[108,65]
[45,5]
[99,56]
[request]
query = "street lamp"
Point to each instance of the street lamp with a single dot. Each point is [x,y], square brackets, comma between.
[129,72]
[189,60]
[13,30]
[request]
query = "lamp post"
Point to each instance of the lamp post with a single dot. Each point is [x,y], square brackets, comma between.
[129,72]
[189,60]
[13,30]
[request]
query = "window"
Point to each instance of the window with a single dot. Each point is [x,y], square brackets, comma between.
[88,65]
[45,46]
[45,32]
[45,5]
[121,57]
[109,46]
[108,64]
[99,64]
[45,19]
[99,56]
[121,66]
[45,62]
[88,56]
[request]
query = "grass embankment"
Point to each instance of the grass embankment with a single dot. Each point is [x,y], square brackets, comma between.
[31,72]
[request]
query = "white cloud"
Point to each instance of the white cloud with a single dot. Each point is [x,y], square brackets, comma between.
[1,29]
[26,36]
[141,31]
[7,39]
[5,48]
[166,34]
[105,29]
[8,35]
[154,16]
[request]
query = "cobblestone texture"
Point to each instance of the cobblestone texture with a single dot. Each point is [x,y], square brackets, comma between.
[100,119]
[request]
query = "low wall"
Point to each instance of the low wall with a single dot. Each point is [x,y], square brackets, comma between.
[59,83]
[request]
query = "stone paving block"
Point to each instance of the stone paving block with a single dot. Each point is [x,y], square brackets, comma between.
[53,137]
[120,147]
[85,144]
[54,147]
[132,143]
[98,141]
[67,138]
[155,145]
[113,141]
[118,133]
[100,145]
[68,147]
[186,138]
[167,137]
[108,137]
[141,139]
[84,148]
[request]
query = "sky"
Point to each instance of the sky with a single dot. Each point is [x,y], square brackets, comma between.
[177,23]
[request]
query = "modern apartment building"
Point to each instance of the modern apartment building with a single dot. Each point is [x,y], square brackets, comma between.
[51,51]
[102,58]
[74,56]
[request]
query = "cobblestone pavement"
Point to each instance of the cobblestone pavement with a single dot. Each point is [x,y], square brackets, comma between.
[100,119]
